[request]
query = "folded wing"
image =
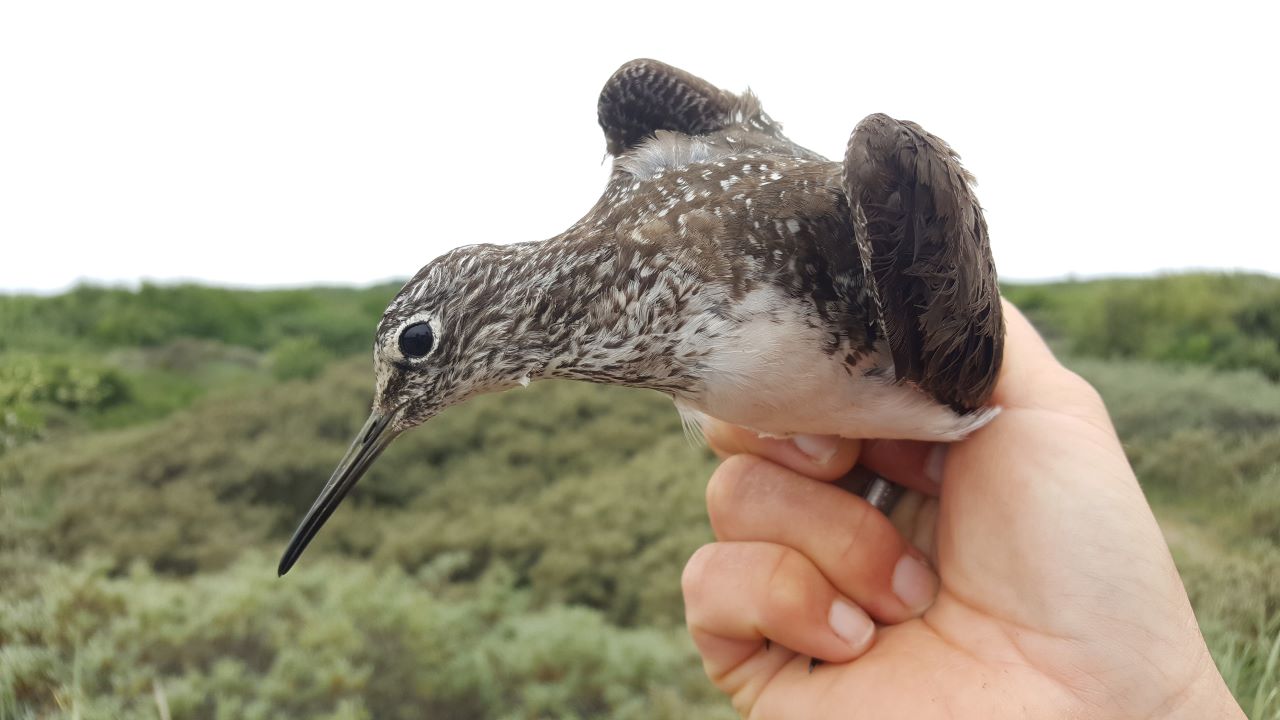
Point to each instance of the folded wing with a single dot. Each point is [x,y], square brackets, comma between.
[918,222]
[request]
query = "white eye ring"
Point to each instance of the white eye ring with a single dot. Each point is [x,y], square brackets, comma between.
[415,350]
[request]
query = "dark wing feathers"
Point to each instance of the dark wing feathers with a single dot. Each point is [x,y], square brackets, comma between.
[645,96]
[930,259]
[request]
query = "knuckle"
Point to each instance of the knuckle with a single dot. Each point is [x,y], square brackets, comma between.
[1077,397]
[1067,383]
[861,536]
[1088,395]
[1075,383]
[787,594]
[693,580]
[731,482]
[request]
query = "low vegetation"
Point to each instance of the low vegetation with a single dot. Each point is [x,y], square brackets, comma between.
[519,557]
[1228,322]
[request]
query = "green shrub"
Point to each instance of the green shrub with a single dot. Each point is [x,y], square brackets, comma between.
[29,380]
[95,317]
[36,390]
[294,358]
[1222,320]
[344,640]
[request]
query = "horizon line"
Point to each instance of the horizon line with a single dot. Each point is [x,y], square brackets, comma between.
[139,282]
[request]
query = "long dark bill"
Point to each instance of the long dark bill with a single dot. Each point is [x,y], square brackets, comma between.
[374,437]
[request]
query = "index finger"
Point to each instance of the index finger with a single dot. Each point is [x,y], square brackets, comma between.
[822,457]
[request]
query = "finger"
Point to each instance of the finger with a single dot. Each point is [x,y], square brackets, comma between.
[916,518]
[910,463]
[822,457]
[740,593]
[853,544]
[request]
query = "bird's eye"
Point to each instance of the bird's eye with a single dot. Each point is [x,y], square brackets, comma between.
[416,340]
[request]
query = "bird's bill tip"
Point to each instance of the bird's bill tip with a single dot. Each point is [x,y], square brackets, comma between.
[372,439]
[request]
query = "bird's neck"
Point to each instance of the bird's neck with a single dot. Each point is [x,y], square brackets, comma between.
[615,314]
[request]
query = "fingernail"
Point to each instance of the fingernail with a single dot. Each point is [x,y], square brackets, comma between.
[933,463]
[818,448]
[914,584]
[851,624]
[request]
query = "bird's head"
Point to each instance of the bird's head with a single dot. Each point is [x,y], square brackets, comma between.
[448,335]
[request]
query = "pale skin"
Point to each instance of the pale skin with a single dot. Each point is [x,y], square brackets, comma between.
[1034,583]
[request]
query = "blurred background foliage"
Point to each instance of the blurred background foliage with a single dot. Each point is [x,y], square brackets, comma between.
[521,556]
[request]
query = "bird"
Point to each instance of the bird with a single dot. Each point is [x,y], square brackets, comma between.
[750,279]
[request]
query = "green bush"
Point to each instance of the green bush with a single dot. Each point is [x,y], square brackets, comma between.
[187,494]
[1225,321]
[30,380]
[345,641]
[96,318]
[294,358]
[34,390]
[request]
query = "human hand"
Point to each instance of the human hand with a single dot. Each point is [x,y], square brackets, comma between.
[1055,595]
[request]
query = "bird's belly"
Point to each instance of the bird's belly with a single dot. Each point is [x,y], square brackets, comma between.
[778,378]
[821,400]
[804,392]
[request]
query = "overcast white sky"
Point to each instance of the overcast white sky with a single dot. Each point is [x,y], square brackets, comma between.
[282,143]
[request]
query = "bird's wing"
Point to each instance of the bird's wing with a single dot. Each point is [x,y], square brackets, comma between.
[915,214]
[645,96]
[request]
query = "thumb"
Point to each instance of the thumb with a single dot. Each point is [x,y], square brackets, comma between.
[1040,510]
